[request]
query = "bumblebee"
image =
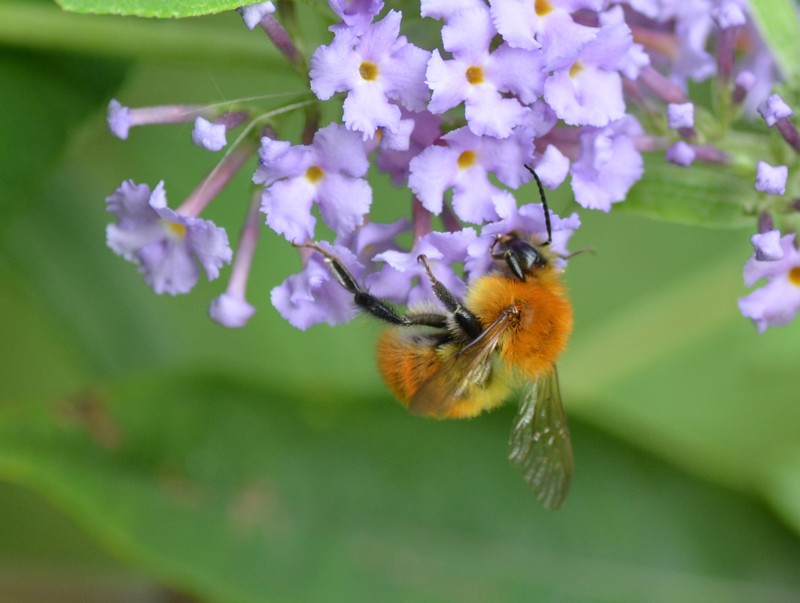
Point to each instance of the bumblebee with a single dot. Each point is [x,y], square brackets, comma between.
[470,356]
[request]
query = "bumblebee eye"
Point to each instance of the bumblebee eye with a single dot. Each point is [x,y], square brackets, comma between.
[522,258]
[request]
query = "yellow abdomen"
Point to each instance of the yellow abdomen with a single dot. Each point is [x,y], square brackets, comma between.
[408,359]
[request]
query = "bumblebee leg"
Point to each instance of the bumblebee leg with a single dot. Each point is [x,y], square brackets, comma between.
[465,319]
[426,318]
[368,302]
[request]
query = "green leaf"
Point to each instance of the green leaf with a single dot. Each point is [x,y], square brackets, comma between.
[240,494]
[40,361]
[150,8]
[779,25]
[702,195]
[37,26]
[34,128]
[783,482]
[663,358]
[40,357]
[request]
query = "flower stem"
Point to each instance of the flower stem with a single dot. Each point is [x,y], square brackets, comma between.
[219,177]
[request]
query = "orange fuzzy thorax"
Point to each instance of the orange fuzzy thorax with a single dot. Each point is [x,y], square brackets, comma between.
[533,344]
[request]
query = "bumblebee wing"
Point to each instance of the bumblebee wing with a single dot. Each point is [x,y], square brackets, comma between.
[540,444]
[460,372]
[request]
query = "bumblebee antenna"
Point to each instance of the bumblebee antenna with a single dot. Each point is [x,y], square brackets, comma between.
[544,204]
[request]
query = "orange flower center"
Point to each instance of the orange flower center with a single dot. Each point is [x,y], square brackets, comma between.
[542,7]
[576,68]
[177,230]
[467,159]
[368,70]
[314,174]
[475,75]
[794,276]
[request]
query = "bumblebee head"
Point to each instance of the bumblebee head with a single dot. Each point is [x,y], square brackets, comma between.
[521,257]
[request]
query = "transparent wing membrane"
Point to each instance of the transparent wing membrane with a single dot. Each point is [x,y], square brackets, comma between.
[540,444]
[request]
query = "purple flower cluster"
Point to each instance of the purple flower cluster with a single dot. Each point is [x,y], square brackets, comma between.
[512,85]
[550,83]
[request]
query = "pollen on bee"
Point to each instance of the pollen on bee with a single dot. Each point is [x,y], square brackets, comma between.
[467,159]
[794,276]
[176,229]
[314,174]
[368,70]
[475,74]
[542,7]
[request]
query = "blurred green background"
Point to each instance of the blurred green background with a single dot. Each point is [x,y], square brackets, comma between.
[147,454]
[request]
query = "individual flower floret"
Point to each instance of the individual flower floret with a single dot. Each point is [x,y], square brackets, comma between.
[231,309]
[553,167]
[356,14]
[464,165]
[767,246]
[397,140]
[374,238]
[479,78]
[253,14]
[680,115]
[403,279]
[588,90]
[120,118]
[681,153]
[773,109]
[374,68]
[778,301]
[208,135]
[609,164]
[166,245]
[777,113]
[632,58]
[744,82]
[313,295]
[328,172]
[541,119]
[445,9]
[728,14]
[771,179]
[546,24]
